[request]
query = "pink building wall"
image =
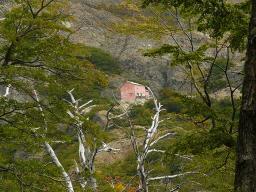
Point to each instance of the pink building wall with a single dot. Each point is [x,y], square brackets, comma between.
[131,91]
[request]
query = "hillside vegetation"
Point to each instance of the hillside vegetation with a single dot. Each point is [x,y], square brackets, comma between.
[63,126]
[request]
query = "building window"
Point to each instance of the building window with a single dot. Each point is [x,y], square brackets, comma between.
[139,94]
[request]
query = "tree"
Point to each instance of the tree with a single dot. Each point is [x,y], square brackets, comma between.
[199,58]
[226,24]
[198,65]
[37,54]
[246,146]
[146,145]
[87,151]
[245,180]
[50,150]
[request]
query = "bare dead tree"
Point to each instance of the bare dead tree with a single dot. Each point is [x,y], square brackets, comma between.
[87,152]
[50,150]
[150,140]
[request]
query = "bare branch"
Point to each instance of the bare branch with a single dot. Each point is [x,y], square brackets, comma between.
[155,150]
[87,151]
[40,109]
[160,138]
[105,147]
[51,152]
[169,176]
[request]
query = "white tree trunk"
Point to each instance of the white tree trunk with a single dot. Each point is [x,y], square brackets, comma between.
[150,140]
[59,165]
[143,177]
[51,152]
[87,153]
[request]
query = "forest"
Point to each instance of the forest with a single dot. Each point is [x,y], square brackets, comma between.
[128,95]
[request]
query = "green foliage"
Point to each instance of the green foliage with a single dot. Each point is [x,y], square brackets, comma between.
[182,104]
[217,80]
[215,17]
[210,151]
[37,53]
[29,175]
[199,142]
[172,101]
[36,41]
[142,22]
[179,56]
[124,169]
[141,115]
[103,60]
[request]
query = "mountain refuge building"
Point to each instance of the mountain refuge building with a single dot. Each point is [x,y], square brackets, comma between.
[132,92]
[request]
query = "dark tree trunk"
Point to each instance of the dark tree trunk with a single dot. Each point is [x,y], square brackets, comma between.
[8,54]
[245,180]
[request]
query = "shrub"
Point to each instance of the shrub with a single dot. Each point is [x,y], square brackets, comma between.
[103,60]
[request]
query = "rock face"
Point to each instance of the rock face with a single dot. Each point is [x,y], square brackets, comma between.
[95,24]
[94,21]
[96,18]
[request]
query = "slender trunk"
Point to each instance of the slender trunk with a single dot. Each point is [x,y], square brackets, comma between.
[51,152]
[203,94]
[92,182]
[245,180]
[143,177]
[55,159]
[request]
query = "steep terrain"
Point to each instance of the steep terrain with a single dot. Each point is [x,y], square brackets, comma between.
[95,22]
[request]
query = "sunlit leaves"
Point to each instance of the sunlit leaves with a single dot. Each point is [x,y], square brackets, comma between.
[218,18]
[180,56]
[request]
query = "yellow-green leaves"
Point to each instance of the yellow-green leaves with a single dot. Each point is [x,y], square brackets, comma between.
[180,56]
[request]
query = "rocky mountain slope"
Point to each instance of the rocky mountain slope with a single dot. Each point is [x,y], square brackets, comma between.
[94,23]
